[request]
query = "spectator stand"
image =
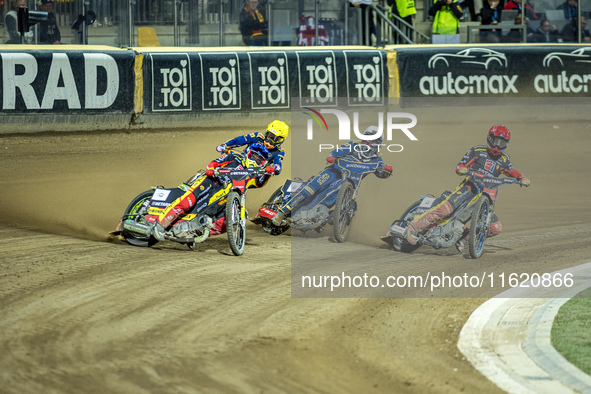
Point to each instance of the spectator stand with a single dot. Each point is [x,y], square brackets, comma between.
[408,34]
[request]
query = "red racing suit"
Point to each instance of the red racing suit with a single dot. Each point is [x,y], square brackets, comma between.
[479,159]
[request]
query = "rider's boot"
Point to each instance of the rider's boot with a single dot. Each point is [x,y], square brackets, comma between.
[411,234]
[425,220]
[460,245]
[494,229]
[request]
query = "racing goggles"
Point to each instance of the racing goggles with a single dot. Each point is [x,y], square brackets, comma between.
[273,139]
[499,142]
[254,156]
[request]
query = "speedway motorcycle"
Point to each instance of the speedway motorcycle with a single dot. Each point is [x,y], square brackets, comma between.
[334,205]
[219,208]
[447,231]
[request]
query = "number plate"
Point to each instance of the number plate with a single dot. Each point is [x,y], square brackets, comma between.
[427,202]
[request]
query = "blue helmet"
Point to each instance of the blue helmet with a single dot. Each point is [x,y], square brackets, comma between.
[257,153]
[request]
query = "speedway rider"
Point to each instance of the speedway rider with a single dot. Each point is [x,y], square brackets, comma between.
[273,137]
[365,151]
[255,155]
[489,159]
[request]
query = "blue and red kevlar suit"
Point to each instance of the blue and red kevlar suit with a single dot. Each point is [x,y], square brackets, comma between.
[275,152]
[188,199]
[330,175]
[478,159]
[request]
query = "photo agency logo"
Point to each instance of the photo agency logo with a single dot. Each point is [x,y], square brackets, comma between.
[394,122]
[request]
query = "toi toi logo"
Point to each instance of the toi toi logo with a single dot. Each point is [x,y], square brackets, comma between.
[321,82]
[367,80]
[273,83]
[174,85]
[224,84]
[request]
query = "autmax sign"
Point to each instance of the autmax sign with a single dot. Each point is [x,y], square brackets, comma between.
[508,71]
[51,81]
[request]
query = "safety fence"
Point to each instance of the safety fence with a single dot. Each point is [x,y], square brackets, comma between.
[173,88]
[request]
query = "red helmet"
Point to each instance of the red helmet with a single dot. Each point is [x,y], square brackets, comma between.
[498,139]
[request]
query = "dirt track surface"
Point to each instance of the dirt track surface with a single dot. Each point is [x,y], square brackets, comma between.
[80,313]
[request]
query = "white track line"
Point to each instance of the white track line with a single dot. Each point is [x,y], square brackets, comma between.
[508,339]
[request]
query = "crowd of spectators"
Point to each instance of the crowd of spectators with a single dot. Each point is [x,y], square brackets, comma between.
[539,28]
[253,24]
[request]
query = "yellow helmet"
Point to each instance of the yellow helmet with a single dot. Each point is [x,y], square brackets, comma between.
[276,134]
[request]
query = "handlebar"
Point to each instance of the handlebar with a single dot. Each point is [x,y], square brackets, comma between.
[488,177]
[334,160]
[215,172]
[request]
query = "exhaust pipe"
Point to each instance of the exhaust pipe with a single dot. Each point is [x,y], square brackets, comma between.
[135,227]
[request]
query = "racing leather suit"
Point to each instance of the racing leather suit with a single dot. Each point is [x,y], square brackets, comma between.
[275,153]
[329,175]
[479,159]
[188,199]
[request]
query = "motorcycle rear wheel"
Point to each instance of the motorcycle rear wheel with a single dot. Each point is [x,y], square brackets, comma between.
[343,215]
[234,226]
[136,207]
[478,227]
[402,245]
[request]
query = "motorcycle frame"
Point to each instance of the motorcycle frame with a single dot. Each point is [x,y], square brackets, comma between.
[464,212]
[346,176]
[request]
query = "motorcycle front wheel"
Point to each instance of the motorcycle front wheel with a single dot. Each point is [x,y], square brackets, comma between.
[135,210]
[478,227]
[234,225]
[343,213]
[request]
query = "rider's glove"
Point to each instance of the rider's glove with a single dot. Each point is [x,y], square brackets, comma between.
[384,171]
[525,182]
[270,170]
[277,169]
[220,148]
[463,171]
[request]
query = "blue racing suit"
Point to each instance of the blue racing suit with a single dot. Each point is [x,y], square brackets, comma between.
[275,153]
[330,175]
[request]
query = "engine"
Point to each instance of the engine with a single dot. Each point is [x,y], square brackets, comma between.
[310,218]
[446,235]
[194,228]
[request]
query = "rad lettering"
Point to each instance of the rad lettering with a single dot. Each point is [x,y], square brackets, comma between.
[60,84]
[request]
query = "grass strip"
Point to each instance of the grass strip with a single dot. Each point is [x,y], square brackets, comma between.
[571,331]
